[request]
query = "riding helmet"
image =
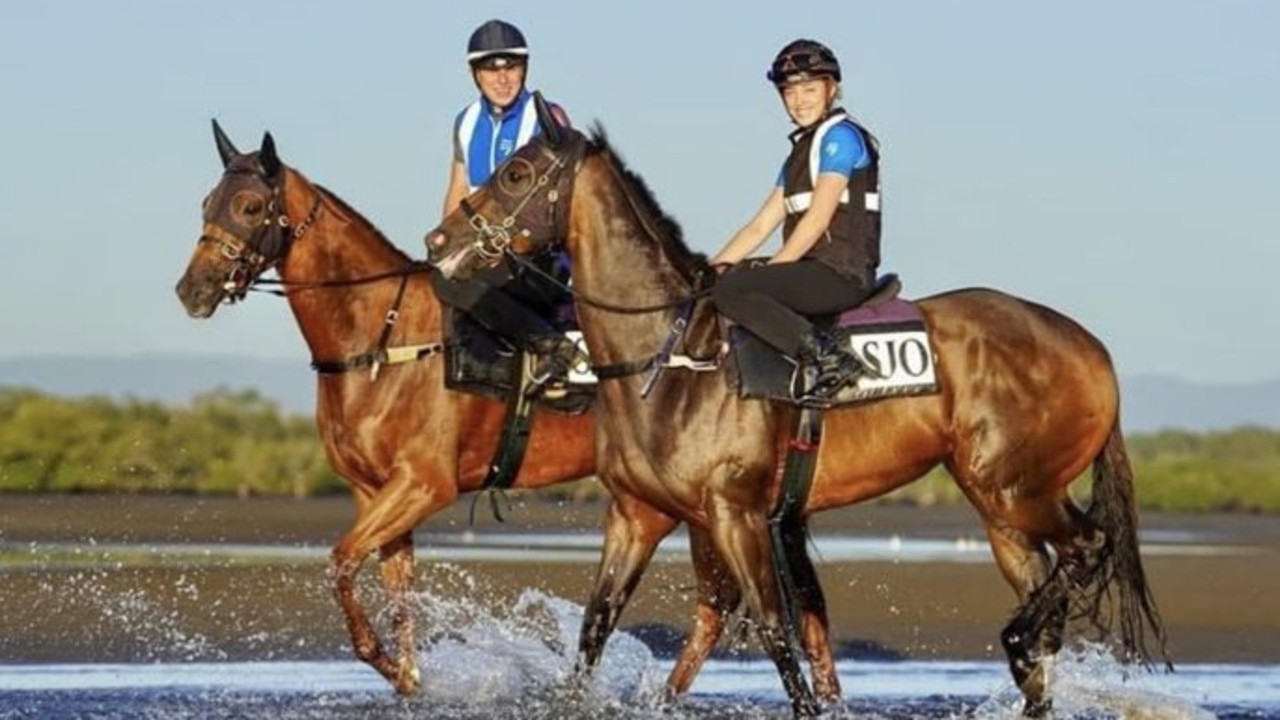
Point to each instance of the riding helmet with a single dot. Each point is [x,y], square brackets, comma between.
[803,60]
[496,44]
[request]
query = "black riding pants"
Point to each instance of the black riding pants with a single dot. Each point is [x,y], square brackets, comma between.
[771,300]
[496,299]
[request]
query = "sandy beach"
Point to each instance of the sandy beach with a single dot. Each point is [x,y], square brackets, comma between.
[1218,600]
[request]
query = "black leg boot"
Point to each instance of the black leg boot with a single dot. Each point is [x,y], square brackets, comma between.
[835,365]
[557,355]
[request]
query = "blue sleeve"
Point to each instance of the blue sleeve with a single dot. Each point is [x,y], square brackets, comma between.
[782,176]
[843,151]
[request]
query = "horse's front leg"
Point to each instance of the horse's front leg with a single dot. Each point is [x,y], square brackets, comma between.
[741,536]
[385,519]
[815,630]
[632,532]
[397,581]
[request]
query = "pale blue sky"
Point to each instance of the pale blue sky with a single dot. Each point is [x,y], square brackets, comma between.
[1115,160]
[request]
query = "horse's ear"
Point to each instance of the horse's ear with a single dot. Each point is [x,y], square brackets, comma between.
[226,150]
[550,128]
[267,156]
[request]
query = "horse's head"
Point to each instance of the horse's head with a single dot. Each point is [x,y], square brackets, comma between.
[522,209]
[245,231]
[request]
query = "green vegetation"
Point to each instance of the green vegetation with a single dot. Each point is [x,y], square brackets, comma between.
[224,443]
[240,443]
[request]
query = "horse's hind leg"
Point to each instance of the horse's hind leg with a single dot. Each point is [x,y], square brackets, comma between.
[1034,634]
[385,520]
[632,532]
[718,595]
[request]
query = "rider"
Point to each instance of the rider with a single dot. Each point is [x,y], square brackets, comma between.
[827,199]
[486,133]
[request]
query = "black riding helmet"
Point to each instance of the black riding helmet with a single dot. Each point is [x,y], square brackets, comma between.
[802,60]
[496,44]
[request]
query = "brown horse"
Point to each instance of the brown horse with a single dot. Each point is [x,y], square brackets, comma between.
[1028,401]
[406,445]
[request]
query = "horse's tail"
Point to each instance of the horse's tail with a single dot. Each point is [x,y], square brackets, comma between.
[1121,576]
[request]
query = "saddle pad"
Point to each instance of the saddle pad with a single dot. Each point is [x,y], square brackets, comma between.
[890,338]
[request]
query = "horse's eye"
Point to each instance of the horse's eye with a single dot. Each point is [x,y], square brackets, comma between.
[247,206]
[517,177]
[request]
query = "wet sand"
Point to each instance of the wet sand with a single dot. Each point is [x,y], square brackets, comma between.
[1217,607]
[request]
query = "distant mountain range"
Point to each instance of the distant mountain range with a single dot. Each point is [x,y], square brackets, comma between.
[1149,402]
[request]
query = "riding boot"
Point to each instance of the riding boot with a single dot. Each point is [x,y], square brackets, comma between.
[835,365]
[557,355]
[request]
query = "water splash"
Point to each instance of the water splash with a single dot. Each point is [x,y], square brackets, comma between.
[480,648]
[1088,683]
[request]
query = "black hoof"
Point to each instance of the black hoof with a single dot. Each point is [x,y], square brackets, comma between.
[1042,709]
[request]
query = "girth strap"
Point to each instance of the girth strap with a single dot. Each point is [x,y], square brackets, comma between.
[788,530]
[512,445]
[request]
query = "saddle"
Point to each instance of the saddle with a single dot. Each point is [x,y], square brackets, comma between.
[886,333]
[480,362]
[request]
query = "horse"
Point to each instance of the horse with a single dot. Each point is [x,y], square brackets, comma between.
[1028,401]
[407,446]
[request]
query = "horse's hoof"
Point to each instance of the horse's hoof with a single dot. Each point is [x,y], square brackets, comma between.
[827,690]
[408,680]
[1041,709]
[806,709]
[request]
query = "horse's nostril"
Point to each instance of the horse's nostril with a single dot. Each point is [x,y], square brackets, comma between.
[436,239]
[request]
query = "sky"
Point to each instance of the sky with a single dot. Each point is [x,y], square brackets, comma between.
[1118,161]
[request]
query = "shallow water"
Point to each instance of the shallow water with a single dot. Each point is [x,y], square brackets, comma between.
[518,664]
[508,684]
[484,656]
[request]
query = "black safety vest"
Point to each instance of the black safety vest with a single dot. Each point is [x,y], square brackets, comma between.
[851,243]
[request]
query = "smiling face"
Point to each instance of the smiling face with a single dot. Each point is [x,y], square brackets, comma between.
[501,85]
[808,100]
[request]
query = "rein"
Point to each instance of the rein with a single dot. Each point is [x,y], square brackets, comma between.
[413,268]
[527,264]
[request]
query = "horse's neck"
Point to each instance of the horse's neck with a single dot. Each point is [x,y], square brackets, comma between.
[338,321]
[616,259]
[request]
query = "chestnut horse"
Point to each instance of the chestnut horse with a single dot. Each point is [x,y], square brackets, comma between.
[1028,401]
[407,446]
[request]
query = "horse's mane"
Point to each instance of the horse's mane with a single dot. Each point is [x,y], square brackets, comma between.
[687,262]
[355,214]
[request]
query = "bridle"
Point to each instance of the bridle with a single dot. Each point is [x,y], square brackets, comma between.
[493,238]
[268,242]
